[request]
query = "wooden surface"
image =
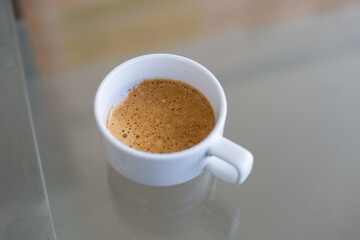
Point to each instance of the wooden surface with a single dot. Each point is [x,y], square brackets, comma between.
[69,34]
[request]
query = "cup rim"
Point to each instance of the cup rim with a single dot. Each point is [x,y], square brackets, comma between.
[160,156]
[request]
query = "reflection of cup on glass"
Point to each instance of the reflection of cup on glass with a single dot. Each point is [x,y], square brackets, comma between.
[220,219]
[175,209]
[214,154]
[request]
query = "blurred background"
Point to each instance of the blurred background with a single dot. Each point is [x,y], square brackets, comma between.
[290,71]
[71,34]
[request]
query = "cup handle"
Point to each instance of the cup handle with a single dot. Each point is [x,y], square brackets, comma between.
[229,161]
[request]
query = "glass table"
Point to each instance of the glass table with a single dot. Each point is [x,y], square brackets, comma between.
[293,93]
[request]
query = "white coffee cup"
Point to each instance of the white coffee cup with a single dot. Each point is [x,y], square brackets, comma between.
[216,154]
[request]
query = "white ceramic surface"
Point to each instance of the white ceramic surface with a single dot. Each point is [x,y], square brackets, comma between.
[215,153]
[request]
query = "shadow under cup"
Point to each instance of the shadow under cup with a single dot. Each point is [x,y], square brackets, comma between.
[152,168]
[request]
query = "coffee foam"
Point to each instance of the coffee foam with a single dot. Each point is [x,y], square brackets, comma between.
[119,101]
[161,116]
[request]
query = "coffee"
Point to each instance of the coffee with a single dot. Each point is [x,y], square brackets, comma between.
[161,116]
